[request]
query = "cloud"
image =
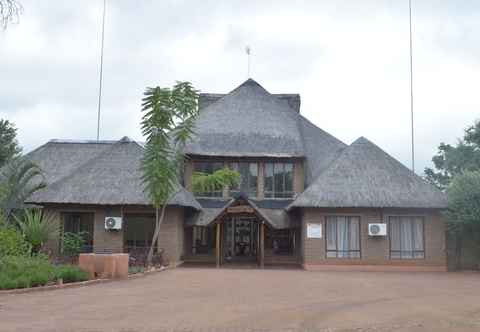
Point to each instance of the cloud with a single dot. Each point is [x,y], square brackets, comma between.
[348,59]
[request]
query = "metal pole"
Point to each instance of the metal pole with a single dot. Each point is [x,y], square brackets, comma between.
[101,72]
[411,86]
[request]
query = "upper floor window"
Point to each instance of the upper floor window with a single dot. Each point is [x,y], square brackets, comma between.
[248,178]
[208,167]
[278,180]
[406,237]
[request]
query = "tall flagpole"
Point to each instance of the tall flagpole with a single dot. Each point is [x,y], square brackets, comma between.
[411,86]
[101,72]
[248,50]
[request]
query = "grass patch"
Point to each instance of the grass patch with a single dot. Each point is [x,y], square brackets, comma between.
[136,269]
[70,273]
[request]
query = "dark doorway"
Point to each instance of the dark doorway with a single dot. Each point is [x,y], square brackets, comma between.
[240,243]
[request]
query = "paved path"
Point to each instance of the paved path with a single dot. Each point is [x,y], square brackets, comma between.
[189,299]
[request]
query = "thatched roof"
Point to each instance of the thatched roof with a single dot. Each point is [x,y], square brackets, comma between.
[212,211]
[321,149]
[249,121]
[105,173]
[366,176]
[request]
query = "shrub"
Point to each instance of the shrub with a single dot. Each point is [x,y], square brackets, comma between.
[23,271]
[37,227]
[70,273]
[12,243]
[73,243]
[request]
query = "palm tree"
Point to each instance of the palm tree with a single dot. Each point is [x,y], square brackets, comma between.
[19,179]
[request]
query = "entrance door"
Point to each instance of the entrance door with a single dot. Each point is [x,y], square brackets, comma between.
[241,240]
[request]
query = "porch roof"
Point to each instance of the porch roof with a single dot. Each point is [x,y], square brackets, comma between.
[213,210]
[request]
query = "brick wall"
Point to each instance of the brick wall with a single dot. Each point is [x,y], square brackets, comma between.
[171,238]
[375,250]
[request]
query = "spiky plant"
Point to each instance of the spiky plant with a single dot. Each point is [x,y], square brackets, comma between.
[37,227]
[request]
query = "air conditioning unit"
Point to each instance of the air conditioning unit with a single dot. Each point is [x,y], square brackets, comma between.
[113,223]
[377,229]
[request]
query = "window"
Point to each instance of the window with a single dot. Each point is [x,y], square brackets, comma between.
[208,167]
[343,237]
[280,241]
[80,222]
[248,178]
[406,237]
[139,231]
[278,180]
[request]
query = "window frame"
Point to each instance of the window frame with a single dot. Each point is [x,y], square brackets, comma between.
[347,217]
[214,194]
[274,194]
[412,216]
[230,164]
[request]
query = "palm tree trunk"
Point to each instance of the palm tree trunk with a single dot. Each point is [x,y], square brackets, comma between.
[156,233]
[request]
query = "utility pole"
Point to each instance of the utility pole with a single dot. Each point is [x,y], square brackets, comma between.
[411,85]
[101,72]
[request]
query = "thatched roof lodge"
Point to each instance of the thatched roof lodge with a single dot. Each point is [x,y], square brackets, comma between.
[305,197]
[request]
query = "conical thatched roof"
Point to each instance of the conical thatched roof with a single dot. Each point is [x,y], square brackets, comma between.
[366,176]
[249,121]
[107,174]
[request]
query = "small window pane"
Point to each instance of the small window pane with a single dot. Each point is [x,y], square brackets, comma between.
[288,177]
[252,190]
[268,180]
[278,178]
[331,234]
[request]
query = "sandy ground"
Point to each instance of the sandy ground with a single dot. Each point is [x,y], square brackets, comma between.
[196,299]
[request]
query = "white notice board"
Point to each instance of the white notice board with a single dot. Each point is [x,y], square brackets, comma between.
[314,231]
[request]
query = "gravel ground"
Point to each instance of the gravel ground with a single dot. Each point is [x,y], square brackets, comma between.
[202,299]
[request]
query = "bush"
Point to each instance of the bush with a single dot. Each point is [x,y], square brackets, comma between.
[12,243]
[22,272]
[70,273]
[73,243]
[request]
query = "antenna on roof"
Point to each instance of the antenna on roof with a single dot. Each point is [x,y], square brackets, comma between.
[411,85]
[248,50]
[101,72]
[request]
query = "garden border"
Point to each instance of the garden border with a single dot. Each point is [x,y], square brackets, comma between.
[82,283]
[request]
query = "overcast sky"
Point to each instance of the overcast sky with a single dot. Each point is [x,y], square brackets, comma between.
[349,60]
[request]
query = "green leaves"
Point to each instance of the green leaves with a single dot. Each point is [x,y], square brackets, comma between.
[223,178]
[167,123]
[464,200]
[454,160]
[19,179]
[37,227]
[9,147]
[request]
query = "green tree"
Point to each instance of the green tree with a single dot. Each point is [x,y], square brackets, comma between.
[9,147]
[167,124]
[19,179]
[10,11]
[222,178]
[455,160]
[463,212]
[37,228]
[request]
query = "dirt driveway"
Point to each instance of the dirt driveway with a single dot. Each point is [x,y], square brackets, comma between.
[189,299]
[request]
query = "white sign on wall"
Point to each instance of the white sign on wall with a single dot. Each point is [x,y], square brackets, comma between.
[314,231]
